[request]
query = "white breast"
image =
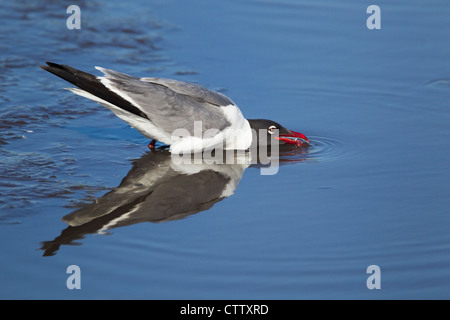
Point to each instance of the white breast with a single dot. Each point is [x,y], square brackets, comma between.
[238,136]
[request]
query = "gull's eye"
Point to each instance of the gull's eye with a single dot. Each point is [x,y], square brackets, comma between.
[272,129]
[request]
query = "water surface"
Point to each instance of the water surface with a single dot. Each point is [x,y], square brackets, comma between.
[373,189]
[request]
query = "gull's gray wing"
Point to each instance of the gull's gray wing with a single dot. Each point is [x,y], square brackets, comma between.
[192,89]
[170,104]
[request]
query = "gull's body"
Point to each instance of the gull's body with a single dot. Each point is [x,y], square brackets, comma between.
[183,115]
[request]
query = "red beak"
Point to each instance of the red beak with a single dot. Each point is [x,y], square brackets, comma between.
[293,138]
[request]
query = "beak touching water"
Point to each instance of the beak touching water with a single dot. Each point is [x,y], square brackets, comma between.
[293,137]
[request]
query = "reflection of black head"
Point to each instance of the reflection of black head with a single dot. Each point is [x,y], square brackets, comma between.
[154,190]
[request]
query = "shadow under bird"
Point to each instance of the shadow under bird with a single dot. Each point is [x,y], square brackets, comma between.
[158,107]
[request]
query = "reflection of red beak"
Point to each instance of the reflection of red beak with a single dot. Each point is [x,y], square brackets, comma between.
[293,138]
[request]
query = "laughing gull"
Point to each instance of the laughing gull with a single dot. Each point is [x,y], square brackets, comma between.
[185,116]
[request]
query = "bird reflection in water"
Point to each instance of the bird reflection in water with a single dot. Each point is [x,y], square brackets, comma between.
[157,189]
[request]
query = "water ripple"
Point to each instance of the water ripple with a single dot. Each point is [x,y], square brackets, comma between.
[320,149]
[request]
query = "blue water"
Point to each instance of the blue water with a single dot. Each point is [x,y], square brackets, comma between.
[373,189]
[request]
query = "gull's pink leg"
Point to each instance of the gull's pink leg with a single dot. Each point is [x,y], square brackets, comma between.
[151,145]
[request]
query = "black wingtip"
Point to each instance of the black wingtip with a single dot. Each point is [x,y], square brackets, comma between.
[54,65]
[91,84]
[50,65]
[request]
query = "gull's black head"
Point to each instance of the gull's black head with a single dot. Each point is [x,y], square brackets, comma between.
[281,133]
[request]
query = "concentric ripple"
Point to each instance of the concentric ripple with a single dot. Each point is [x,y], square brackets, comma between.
[320,149]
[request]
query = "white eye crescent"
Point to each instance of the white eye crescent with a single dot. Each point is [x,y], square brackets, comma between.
[272,129]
